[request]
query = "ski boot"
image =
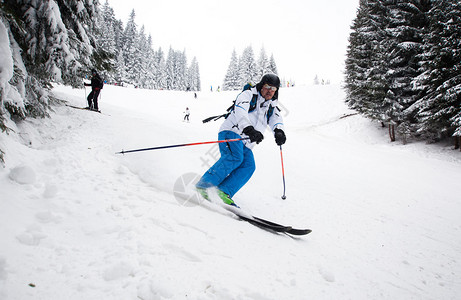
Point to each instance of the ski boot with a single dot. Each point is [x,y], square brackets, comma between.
[226,199]
[203,192]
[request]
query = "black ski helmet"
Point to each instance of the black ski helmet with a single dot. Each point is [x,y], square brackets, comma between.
[272,80]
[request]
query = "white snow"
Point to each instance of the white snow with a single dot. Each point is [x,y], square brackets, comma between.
[78,221]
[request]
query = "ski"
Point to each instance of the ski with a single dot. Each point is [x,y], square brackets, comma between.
[83,108]
[293,231]
[265,224]
[256,221]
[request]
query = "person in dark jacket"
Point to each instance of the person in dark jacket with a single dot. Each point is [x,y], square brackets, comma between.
[96,85]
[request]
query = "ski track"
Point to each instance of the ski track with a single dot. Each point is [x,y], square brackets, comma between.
[80,222]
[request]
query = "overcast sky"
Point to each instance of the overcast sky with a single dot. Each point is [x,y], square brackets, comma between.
[307,38]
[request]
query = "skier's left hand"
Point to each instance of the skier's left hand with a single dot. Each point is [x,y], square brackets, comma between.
[280,137]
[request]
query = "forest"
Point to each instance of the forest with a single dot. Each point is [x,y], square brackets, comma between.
[403,67]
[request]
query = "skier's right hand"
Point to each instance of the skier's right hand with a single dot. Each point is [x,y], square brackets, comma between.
[253,134]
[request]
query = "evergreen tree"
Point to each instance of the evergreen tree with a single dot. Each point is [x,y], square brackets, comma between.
[150,65]
[247,67]
[142,60]
[439,111]
[232,78]
[194,76]
[403,65]
[107,37]
[160,70]
[365,82]
[181,71]
[130,50]
[244,70]
[120,74]
[406,23]
[118,35]
[272,68]
[106,40]
[68,50]
[170,67]
[262,64]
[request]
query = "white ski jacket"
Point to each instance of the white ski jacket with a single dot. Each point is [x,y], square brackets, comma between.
[241,117]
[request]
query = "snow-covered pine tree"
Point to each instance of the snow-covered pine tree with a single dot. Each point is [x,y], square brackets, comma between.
[272,68]
[68,50]
[194,76]
[405,25]
[160,70]
[247,67]
[150,65]
[6,74]
[170,68]
[262,66]
[365,65]
[142,60]
[176,71]
[120,74]
[232,78]
[409,76]
[108,26]
[181,71]
[131,51]
[107,41]
[439,111]
[197,81]
[138,64]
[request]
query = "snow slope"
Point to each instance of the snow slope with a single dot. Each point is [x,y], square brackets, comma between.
[78,221]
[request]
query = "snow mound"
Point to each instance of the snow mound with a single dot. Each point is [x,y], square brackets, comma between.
[23,175]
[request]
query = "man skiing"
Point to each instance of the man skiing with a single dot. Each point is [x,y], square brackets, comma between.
[96,85]
[255,109]
[187,114]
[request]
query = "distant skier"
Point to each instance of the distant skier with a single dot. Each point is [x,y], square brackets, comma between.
[248,119]
[187,114]
[96,86]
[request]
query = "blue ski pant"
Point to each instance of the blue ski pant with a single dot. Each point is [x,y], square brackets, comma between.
[233,169]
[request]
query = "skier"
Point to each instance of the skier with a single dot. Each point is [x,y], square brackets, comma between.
[187,113]
[96,86]
[236,164]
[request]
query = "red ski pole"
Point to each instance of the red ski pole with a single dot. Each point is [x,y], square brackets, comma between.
[283,173]
[181,145]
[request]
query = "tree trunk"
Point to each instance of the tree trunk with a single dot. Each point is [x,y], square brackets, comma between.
[457,142]
[392,132]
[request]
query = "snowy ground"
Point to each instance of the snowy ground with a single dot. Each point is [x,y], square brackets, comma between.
[78,221]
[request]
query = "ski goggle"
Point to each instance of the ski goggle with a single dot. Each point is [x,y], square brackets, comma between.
[268,87]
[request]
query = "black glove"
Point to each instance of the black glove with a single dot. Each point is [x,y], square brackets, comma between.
[255,136]
[280,137]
